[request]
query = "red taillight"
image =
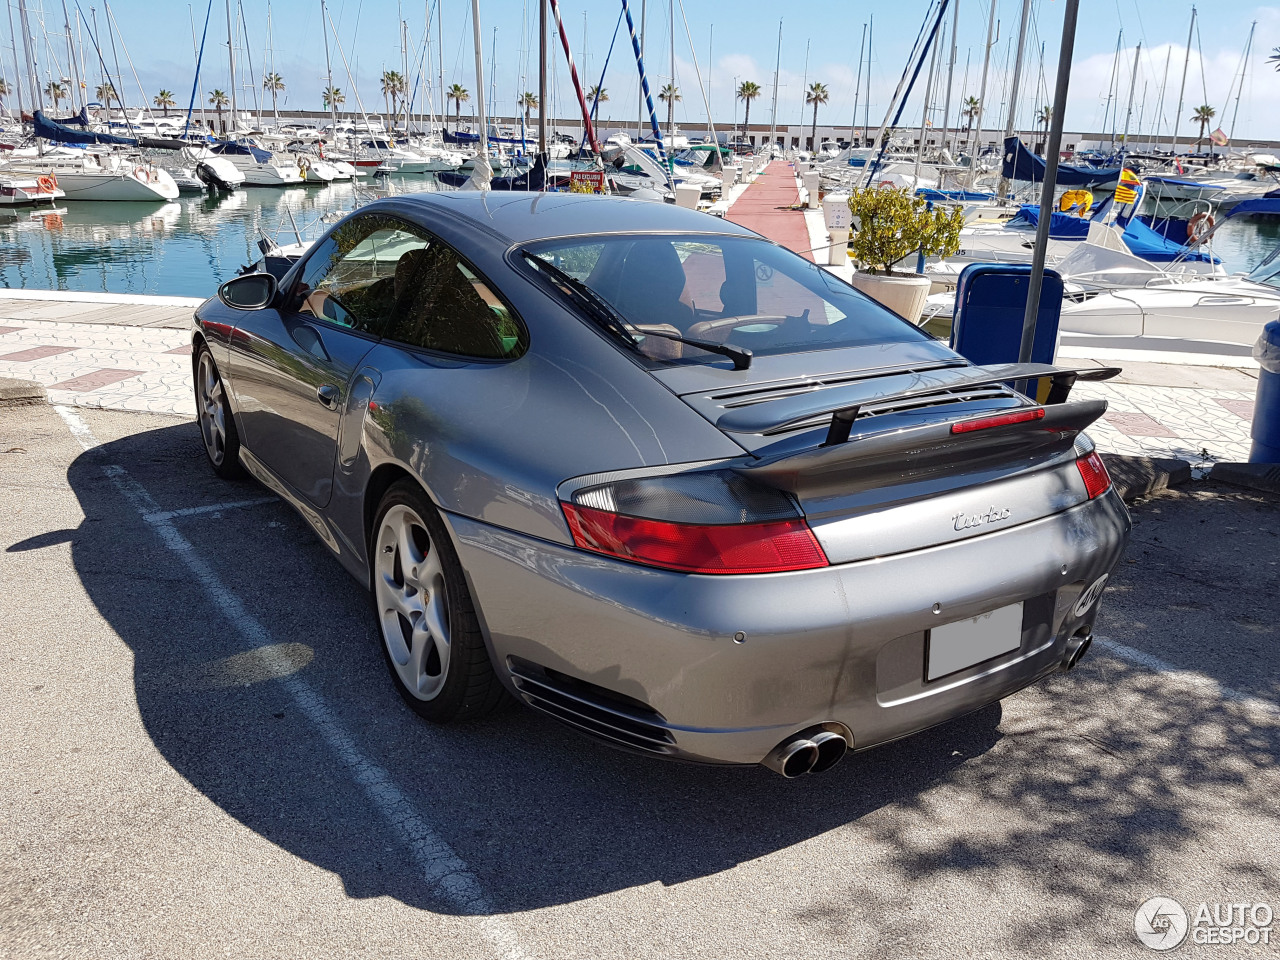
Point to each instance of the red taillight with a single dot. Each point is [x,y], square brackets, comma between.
[999,420]
[731,548]
[1094,473]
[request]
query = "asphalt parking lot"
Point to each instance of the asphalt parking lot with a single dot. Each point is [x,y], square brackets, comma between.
[202,755]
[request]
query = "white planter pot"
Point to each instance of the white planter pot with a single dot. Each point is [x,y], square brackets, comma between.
[903,293]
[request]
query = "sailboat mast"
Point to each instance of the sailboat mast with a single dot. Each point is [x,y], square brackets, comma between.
[671,123]
[1003,189]
[924,116]
[480,111]
[1133,83]
[328,70]
[1182,88]
[1244,69]
[866,103]
[271,50]
[33,65]
[542,79]
[17,80]
[75,75]
[982,94]
[1168,55]
[804,84]
[857,87]
[231,59]
[951,72]
[773,112]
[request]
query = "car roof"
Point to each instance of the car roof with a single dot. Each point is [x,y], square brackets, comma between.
[522,217]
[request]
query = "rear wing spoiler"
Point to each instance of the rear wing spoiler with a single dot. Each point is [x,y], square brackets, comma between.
[843,402]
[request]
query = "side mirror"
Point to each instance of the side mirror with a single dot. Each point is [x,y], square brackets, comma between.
[253,291]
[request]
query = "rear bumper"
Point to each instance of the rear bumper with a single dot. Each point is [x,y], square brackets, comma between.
[843,643]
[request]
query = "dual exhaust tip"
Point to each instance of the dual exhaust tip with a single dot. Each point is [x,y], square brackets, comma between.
[807,753]
[1077,646]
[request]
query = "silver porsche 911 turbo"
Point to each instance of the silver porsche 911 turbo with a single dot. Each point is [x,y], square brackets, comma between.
[658,477]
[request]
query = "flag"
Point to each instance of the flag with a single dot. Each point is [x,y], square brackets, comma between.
[1127,188]
[1218,138]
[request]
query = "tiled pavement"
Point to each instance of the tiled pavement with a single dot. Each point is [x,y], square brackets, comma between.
[100,365]
[1199,414]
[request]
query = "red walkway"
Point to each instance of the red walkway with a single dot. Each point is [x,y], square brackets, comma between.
[758,208]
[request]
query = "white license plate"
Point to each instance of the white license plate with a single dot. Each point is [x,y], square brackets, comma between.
[954,646]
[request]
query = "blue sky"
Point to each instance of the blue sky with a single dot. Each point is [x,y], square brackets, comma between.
[733,42]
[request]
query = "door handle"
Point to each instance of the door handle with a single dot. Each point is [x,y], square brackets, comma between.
[329,395]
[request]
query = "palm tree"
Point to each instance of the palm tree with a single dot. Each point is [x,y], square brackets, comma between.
[392,85]
[274,83]
[1274,59]
[747,91]
[164,100]
[597,95]
[458,94]
[1044,116]
[970,109]
[55,92]
[106,92]
[1202,116]
[527,102]
[333,97]
[218,100]
[669,95]
[816,94]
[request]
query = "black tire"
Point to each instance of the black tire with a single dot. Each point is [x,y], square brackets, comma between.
[464,686]
[214,417]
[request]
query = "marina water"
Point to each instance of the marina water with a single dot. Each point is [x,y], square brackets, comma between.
[188,246]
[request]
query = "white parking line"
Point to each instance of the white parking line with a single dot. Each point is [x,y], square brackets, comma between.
[440,866]
[1190,677]
[165,515]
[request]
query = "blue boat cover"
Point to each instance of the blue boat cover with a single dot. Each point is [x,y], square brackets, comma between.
[1260,206]
[240,150]
[1144,242]
[964,196]
[1062,226]
[1021,164]
[52,130]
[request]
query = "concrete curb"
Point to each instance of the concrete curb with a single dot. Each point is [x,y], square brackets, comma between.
[1255,476]
[20,393]
[1136,477]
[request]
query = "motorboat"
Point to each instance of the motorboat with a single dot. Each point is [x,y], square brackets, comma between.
[27,191]
[260,167]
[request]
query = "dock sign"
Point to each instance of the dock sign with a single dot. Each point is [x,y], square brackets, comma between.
[586,181]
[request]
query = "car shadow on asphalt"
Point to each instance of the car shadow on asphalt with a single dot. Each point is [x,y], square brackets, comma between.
[543,816]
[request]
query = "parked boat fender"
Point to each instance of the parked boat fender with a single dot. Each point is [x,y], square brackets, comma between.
[1199,226]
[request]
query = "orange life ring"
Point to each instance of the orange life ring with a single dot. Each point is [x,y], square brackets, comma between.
[142,173]
[887,183]
[1200,226]
[46,184]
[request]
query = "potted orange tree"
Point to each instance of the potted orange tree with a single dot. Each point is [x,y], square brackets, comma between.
[891,225]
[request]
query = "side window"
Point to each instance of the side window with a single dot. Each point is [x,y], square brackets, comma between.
[355,277]
[443,305]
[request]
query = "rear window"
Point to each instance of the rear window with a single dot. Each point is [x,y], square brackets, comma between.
[735,290]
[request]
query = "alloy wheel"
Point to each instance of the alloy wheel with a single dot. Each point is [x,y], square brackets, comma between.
[412,601]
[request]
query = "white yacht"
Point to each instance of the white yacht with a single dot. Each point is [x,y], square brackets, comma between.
[86,174]
[260,167]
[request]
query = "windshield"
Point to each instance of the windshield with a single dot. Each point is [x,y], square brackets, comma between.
[735,290]
[1268,271]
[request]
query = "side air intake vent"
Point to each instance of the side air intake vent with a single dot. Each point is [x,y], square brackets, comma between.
[602,713]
